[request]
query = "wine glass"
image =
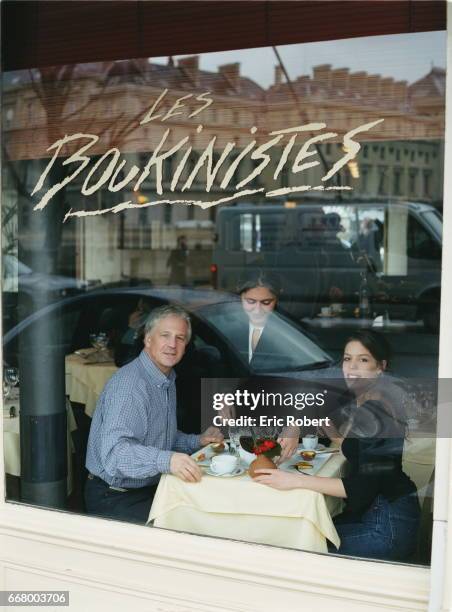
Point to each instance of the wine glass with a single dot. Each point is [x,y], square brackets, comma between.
[6,389]
[234,439]
[102,341]
[12,376]
[93,341]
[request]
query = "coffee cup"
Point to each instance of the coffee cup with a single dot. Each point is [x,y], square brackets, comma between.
[310,442]
[223,464]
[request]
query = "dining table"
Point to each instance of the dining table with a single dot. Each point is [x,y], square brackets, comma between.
[11,437]
[236,507]
[418,462]
[86,376]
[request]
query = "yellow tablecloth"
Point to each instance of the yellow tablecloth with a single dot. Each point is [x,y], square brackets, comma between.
[11,440]
[240,509]
[419,461]
[85,382]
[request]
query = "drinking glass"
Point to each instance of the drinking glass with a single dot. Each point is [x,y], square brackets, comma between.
[12,376]
[102,341]
[93,341]
[6,389]
[234,439]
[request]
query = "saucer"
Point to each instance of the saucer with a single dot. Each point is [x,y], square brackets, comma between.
[318,448]
[237,472]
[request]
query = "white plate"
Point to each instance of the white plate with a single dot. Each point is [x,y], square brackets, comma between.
[237,472]
[209,453]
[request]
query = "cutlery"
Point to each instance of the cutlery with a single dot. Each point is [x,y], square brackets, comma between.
[300,471]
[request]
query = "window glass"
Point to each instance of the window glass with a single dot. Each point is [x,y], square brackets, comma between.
[291,204]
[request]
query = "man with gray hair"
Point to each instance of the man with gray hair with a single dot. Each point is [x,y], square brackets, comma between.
[134,436]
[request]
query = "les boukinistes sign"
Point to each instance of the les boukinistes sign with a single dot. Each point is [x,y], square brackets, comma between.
[114,176]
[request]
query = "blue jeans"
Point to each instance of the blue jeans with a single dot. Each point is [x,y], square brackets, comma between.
[132,505]
[387,530]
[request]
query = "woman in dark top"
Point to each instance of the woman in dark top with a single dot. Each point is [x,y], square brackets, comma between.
[381,515]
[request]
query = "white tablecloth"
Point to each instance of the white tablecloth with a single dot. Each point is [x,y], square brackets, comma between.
[85,382]
[240,509]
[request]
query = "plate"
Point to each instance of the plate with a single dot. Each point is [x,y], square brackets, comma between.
[208,453]
[237,472]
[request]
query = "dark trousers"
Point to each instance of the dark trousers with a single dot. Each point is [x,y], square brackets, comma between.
[387,530]
[132,505]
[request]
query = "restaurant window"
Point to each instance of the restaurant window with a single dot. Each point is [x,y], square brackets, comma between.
[412,177]
[382,181]
[278,252]
[9,115]
[427,183]
[397,183]
[364,179]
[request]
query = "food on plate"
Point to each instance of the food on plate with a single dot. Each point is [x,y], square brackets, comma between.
[200,457]
[303,465]
[217,447]
[308,455]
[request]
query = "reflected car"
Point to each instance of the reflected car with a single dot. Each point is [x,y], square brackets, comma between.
[17,275]
[214,351]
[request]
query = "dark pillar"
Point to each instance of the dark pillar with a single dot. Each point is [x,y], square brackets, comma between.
[43,418]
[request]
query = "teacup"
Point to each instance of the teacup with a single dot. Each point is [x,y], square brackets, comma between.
[223,464]
[310,442]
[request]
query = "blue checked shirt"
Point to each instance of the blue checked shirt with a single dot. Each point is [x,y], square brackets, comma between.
[134,430]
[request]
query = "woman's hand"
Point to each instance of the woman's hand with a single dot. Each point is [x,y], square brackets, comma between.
[279,479]
[285,481]
[288,447]
[211,435]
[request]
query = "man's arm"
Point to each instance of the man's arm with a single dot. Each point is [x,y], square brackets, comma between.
[187,443]
[193,441]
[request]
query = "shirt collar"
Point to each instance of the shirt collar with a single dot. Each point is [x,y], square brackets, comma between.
[157,377]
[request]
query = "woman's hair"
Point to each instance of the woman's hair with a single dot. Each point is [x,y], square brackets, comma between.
[374,342]
[259,278]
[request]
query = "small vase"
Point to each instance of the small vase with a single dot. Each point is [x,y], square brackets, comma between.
[261,462]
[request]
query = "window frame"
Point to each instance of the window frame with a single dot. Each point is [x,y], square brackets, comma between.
[131,552]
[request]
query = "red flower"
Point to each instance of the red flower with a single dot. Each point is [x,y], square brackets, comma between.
[264,446]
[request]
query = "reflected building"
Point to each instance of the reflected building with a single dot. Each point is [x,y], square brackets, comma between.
[400,160]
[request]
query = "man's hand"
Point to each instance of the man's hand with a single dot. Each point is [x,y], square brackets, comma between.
[212,434]
[185,468]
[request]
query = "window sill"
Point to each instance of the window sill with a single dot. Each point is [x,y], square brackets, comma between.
[130,557]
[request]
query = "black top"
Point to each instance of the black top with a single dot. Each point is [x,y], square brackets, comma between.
[373,445]
[375,469]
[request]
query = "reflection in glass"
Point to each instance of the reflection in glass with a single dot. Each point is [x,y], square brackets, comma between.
[360,249]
